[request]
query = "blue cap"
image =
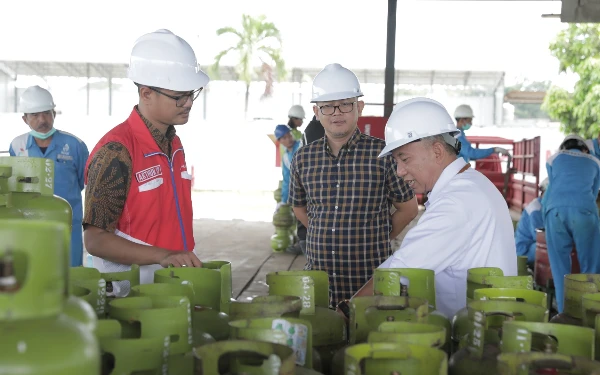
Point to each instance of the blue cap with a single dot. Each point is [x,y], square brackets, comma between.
[281,130]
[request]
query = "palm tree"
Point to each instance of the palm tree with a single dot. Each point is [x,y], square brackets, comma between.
[259,48]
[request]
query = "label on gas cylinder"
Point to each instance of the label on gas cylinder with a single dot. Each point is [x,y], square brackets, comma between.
[296,337]
[49,173]
[101,301]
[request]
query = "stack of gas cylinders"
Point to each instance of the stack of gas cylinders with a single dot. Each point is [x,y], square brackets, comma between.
[60,320]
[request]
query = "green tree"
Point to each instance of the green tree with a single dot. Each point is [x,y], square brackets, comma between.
[258,47]
[577,48]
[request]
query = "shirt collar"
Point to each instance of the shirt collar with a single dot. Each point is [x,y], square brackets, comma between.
[351,143]
[31,141]
[447,174]
[162,141]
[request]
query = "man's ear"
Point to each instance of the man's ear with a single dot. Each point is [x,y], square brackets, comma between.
[316,112]
[360,105]
[145,94]
[25,118]
[439,152]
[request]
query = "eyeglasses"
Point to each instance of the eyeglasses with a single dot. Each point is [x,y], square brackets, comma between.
[329,110]
[180,100]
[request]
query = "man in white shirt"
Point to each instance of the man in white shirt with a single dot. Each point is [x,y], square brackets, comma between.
[466,223]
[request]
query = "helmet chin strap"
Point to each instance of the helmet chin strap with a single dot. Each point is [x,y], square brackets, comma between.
[455,143]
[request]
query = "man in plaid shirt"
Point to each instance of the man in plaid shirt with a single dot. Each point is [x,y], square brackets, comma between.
[343,193]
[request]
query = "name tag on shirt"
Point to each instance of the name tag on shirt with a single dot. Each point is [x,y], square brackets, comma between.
[64,157]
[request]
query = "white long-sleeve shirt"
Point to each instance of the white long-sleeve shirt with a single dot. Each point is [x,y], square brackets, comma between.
[466,224]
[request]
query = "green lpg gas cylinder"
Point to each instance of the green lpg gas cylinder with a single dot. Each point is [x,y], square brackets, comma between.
[491,277]
[545,363]
[460,320]
[277,192]
[212,294]
[591,317]
[576,285]
[78,308]
[295,333]
[495,313]
[367,313]
[36,337]
[283,220]
[478,333]
[199,337]
[329,328]
[27,191]
[418,282]
[158,317]
[244,357]
[130,356]
[266,306]
[522,266]
[547,337]
[508,294]
[90,279]
[409,333]
[394,358]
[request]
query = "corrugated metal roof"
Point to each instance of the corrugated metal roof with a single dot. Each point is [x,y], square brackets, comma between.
[489,79]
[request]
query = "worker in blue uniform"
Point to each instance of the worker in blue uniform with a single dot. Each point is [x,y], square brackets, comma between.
[463,114]
[531,219]
[570,211]
[285,136]
[594,147]
[68,152]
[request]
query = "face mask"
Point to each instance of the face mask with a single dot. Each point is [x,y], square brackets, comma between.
[39,135]
[466,127]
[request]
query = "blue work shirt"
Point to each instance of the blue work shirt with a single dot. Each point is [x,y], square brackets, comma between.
[594,147]
[525,235]
[69,154]
[286,164]
[469,153]
[574,180]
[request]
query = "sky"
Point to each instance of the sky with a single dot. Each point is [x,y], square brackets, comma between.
[508,36]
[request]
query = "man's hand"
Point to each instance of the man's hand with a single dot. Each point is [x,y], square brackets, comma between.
[501,151]
[181,259]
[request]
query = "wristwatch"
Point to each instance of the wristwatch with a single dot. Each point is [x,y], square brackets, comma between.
[344,307]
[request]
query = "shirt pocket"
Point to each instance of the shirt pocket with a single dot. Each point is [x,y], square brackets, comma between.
[65,178]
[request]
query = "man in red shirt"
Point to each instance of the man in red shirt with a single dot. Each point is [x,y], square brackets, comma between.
[138,206]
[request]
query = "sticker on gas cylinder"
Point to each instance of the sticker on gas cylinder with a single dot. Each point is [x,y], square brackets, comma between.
[296,337]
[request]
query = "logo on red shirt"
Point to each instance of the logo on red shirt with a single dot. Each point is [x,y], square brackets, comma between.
[148,174]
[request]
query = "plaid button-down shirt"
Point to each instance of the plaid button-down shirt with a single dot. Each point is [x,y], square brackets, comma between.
[348,200]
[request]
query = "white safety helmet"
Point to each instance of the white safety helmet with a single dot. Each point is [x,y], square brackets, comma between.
[577,139]
[36,99]
[415,119]
[544,184]
[463,111]
[296,111]
[335,82]
[162,59]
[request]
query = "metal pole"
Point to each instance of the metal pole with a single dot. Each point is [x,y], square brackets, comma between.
[110,96]
[16,97]
[390,56]
[87,90]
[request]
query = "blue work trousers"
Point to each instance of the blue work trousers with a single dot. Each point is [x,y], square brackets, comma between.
[565,227]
